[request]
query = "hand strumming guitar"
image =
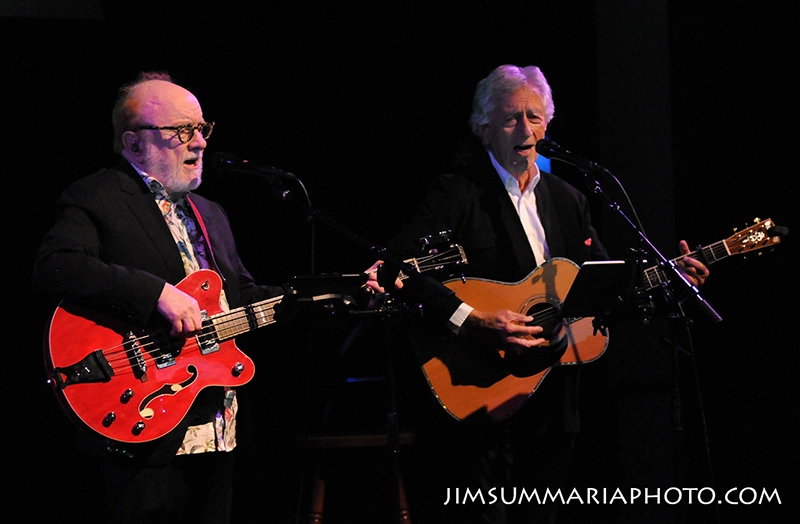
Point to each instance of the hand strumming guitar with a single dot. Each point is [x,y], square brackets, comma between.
[502,329]
[181,311]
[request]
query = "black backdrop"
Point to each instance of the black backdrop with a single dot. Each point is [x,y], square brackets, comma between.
[690,106]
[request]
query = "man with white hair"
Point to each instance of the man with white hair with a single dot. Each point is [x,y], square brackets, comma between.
[510,217]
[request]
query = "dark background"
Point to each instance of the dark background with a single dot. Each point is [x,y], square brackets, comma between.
[692,107]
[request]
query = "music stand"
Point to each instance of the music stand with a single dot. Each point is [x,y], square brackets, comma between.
[316,298]
[324,286]
[599,290]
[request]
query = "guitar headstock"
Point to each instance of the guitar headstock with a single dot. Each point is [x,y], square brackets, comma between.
[762,234]
[438,258]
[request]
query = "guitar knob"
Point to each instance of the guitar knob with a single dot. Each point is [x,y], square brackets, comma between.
[109,419]
[138,428]
[238,369]
[126,396]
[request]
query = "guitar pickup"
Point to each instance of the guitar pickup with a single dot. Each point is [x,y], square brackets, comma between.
[92,368]
[162,349]
[207,340]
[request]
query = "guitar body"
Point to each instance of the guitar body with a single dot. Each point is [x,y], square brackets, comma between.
[473,383]
[137,385]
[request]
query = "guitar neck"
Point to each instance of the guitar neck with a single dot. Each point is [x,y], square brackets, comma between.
[655,276]
[237,321]
[436,260]
[230,324]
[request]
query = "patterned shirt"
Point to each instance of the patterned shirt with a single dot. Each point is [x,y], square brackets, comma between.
[219,435]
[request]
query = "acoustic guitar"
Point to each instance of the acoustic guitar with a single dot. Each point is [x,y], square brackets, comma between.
[475,383]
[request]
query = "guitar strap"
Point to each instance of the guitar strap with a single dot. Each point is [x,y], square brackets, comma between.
[202,225]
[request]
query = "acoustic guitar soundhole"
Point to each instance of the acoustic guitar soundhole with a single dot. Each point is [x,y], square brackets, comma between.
[529,363]
[548,316]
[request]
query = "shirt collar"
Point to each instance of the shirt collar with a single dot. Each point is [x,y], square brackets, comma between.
[511,183]
[157,187]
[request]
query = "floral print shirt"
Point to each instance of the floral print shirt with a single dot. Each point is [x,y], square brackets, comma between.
[219,435]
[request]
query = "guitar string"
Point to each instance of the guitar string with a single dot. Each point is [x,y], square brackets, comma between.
[430,262]
[221,323]
[123,353]
[114,354]
[237,317]
[717,251]
[185,346]
[137,348]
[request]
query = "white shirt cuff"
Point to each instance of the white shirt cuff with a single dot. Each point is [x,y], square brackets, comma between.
[459,316]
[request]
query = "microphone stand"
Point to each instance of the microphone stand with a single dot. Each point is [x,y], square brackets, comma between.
[684,288]
[553,151]
[668,267]
[387,275]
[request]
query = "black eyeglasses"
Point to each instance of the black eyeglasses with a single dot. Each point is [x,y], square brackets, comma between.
[185,132]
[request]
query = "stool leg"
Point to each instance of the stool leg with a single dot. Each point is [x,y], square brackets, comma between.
[404,516]
[317,499]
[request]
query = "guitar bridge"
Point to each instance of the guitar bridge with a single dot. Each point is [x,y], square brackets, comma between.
[134,352]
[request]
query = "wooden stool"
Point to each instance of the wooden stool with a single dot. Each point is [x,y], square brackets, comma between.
[315,515]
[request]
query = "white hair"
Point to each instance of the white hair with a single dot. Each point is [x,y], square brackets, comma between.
[500,83]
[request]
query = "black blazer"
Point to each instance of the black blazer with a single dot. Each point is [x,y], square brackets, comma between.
[475,206]
[111,249]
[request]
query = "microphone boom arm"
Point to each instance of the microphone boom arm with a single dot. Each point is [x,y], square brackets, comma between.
[553,151]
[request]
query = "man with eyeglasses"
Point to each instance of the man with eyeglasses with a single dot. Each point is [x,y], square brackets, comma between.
[123,238]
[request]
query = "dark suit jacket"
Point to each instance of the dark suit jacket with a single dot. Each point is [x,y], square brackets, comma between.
[475,206]
[111,250]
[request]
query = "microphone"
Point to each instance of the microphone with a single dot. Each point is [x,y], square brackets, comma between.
[228,162]
[553,151]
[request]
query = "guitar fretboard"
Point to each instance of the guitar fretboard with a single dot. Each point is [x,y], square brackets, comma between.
[655,276]
[241,320]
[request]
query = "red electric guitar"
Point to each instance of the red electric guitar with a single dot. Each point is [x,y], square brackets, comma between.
[135,385]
